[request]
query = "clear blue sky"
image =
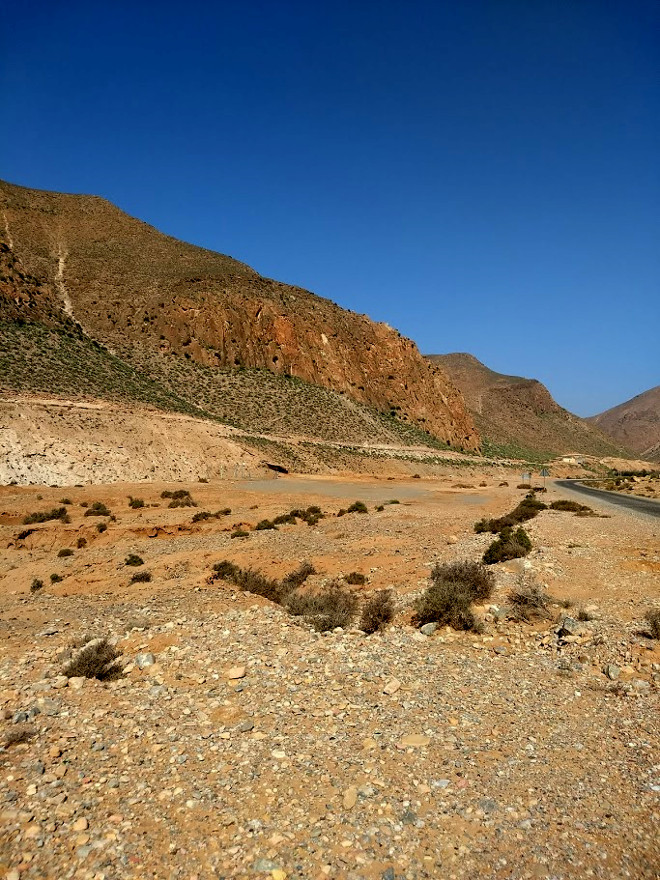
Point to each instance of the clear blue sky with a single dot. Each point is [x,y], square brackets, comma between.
[484,176]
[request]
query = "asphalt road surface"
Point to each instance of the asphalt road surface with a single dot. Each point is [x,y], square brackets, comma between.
[639,505]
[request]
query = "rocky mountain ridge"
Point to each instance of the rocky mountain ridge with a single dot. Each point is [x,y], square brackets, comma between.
[520,415]
[634,423]
[149,299]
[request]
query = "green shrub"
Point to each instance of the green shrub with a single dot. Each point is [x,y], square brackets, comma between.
[379,508]
[101,527]
[56,578]
[265,525]
[98,508]
[66,501]
[81,542]
[64,552]
[528,508]
[133,560]
[204,515]
[571,506]
[135,503]
[141,577]
[239,533]
[447,603]
[509,545]
[393,501]
[478,580]
[46,516]
[284,519]
[377,612]
[358,507]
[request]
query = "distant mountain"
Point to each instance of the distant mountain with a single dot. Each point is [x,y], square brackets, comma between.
[82,284]
[635,423]
[518,415]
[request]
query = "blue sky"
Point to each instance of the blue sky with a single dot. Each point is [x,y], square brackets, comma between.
[484,176]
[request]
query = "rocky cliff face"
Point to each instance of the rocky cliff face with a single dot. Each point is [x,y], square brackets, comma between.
[136,291]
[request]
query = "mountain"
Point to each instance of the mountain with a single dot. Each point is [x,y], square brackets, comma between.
[635,423]
[518,416]
[95,302]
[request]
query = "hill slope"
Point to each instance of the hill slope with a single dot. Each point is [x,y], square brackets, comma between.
[519,415]
[635,423]
[183,316]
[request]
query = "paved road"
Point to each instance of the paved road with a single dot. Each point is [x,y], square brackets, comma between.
[639,505]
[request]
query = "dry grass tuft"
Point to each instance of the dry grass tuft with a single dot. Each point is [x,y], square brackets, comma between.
[333,606]
[528,601]
[652,619]
[19,733]
[97,659]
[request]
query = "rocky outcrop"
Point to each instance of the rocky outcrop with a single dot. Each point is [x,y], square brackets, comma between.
[135,290]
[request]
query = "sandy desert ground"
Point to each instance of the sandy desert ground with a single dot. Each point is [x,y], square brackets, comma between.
[240,743]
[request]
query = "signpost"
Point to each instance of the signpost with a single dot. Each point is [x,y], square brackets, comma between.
[544,473]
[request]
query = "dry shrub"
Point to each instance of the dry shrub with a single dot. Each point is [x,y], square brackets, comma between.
[97,659]
[265,525]
[135,503]
[377,612]
[64,552]
[239,533]
[356,579]
[247,579]
[19,733]
[141,577]
[528,601]
[36,585]
[325,609]
[652,619]
[358,507]
[478,580]
[447,603]
[296,578]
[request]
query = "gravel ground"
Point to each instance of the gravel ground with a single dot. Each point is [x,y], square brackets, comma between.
[239,743]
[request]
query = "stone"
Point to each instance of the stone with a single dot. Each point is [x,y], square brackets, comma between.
[392,686]
[452,539]
[245,726]
[350,797]
[144,660]
[265,865]
[388,874]
[80,825]
[428,629]
[236,672]
[414,740]
[568,626]
[612,671]
[77,683]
